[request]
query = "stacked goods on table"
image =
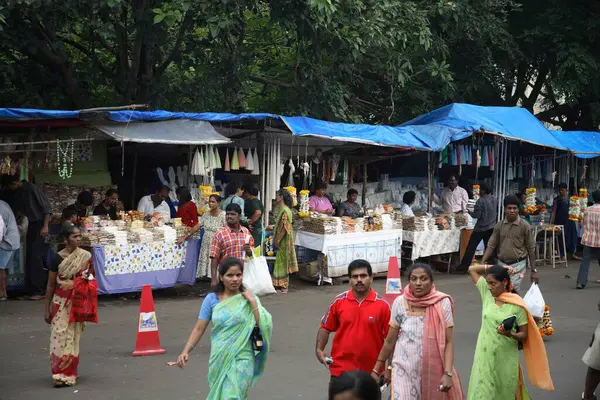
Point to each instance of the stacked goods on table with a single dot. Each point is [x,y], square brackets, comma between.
[62,196]
[461,220]
[183,230]
[397,220]
[140,236]
[415,224]
[373,223]
[431,225]
[169,235]
[133,215]
[348,225]
[442,223]
[322,224]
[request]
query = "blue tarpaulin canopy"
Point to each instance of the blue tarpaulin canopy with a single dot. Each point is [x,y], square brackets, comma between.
[162,115]
[584,144]
[392,136]
[29,113]
[461,120]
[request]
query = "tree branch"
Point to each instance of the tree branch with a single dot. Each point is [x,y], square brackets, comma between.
[187,20]
[91,54]
[271,81]
[529,101]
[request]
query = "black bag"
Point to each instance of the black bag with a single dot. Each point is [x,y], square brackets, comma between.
[257,339]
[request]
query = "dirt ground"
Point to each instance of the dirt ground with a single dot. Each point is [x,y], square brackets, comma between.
[108,371]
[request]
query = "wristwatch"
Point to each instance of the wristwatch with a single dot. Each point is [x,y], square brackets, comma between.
[448,374]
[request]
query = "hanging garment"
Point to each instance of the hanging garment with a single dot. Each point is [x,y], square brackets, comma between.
[180,176]
[290,180]
[235,160]
[242,158]
[218,159]
[161,176]
[201,164]
[485,162]
[256,169]
[459,156]
[195,163]
[249,161]
[227,162]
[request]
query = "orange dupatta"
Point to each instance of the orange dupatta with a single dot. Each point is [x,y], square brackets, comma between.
[534,350]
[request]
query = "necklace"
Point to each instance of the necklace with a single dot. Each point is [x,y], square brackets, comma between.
[64,170]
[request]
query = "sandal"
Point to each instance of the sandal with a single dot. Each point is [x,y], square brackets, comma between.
[58,384]
[589,398]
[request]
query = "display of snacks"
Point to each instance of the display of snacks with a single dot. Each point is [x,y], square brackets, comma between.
[475,193]
[530,203]
[461,220]
[583,202]
[574,209]
[304,209]
[372,223]
[348,225]
[397,220]
[292,191]
[442,223]
[322,225]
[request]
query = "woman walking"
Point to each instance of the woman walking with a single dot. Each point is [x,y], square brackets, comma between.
[421,336]
[505,325]
[283,236]
[240,337]
[211,221]
[68,264]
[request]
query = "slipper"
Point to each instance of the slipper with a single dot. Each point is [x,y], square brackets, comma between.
[37,297]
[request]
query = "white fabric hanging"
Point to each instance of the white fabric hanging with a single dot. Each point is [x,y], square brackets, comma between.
[290,181]
[249,161]
[256,169]
[161,176]
[201,164]
[196,163]
[218,159]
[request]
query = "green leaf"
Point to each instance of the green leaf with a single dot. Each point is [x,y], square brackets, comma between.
[158,18]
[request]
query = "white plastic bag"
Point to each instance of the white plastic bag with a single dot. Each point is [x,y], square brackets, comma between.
[257,277]
[534,301]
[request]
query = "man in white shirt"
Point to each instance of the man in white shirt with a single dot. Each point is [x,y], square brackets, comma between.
[454,199]
[408,199]
[156,203]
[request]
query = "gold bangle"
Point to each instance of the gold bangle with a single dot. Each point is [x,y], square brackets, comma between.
[375,372]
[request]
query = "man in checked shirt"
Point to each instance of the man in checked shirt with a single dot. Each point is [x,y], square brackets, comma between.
[232,240]
[590,239]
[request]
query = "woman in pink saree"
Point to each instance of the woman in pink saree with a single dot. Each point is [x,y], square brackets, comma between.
[68,264]
[421,337]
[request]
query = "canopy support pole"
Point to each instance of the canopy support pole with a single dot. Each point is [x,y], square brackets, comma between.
[364,185]
[135,164]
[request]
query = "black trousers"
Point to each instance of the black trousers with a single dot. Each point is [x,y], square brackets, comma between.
[476,237]
[36,274]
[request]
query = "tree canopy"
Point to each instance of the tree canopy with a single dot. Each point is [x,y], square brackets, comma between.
[376,61]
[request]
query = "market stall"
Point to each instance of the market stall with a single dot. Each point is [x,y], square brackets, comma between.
[338,241]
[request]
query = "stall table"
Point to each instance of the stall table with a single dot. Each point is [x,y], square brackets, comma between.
[432,243]
[125,268]
[338,251]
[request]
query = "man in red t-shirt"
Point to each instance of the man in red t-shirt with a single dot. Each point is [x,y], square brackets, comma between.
[360,319]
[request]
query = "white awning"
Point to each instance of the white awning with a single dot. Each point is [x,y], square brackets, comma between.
[179,131]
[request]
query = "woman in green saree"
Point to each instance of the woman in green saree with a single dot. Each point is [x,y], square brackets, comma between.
[283,236]
[240,338]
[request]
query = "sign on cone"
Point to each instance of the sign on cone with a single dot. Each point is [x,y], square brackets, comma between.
[148,341]
[393,286]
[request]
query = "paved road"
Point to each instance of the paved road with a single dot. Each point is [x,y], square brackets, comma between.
[109,372]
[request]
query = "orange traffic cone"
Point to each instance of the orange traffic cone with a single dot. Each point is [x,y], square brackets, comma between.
[393,286]
[148,340]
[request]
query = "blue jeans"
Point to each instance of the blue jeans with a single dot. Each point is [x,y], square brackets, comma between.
[589,254]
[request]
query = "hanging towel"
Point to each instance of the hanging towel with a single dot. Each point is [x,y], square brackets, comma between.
[206,158]
[201,164]
[195,162]
[227,163]
[242,158]
[256,169]
[235,160]
[249,161]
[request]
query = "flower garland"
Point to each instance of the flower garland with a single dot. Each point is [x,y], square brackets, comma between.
[545,325]
[292,191]
[203,196]
[574,209]
[475,193]
[304,210]
[530,207]
[64,170]
[583,202]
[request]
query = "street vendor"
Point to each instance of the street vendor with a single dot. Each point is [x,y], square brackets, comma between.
[155,203]
[408,199]
[109,205]
[350,208]
[319,202]
[560,216]
[453,199]
[84,201]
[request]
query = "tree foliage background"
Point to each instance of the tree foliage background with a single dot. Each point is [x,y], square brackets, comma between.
[376,61]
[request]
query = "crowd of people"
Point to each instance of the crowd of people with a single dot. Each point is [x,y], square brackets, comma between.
[408,344]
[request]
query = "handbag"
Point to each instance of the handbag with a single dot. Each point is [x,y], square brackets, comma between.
[257,339]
